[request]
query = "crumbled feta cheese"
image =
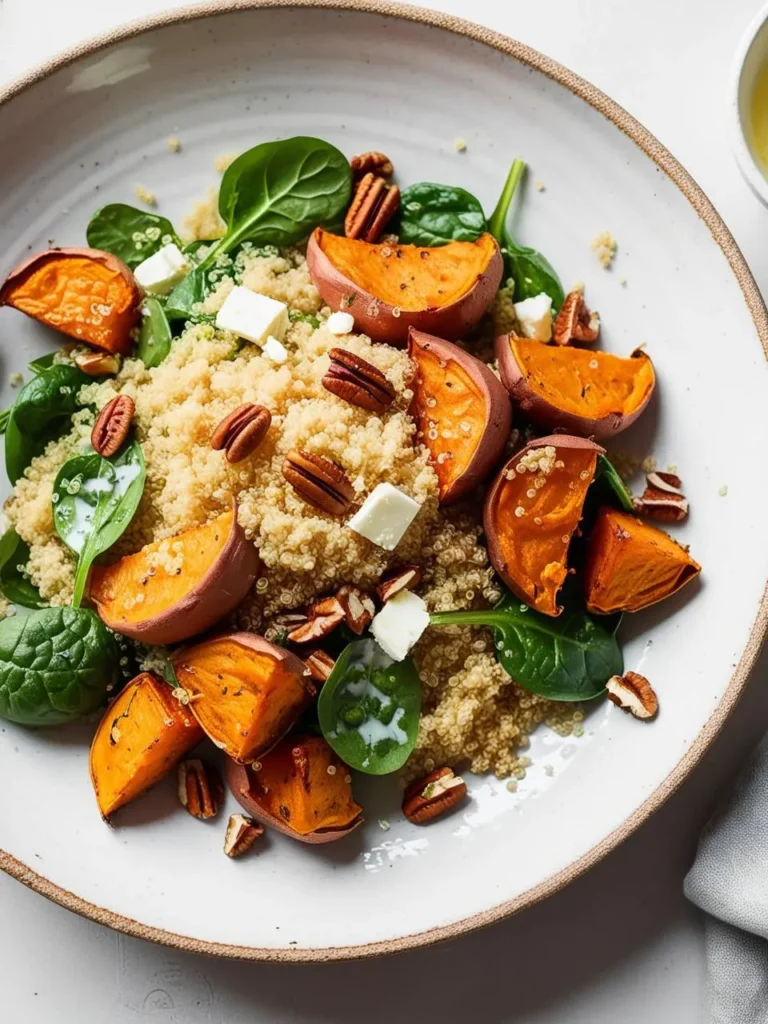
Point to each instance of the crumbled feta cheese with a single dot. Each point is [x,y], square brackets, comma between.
[535,317]
[384,516]
[164,269]
[400,624]
[275,350]
[340,323]
[253,316]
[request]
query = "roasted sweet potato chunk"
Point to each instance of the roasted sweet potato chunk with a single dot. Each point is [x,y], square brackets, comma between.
[85,293]
[631,564]
[301,788]
[389,288]
[593,394]
[531,511]
[245,692]
[462,410]
[176,588]
[142,735]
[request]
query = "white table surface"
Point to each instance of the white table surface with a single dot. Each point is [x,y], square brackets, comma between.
[620,944]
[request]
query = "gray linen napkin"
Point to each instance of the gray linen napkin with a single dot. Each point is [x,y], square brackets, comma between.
[729,880]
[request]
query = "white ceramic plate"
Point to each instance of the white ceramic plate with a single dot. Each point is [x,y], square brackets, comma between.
[87,129]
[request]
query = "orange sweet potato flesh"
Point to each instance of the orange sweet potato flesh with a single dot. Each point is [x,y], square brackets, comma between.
[246,692]
[85,293]
[531,511]
[631,564]
[584,392]
[462,411]
[294,792]
[143,734]
[173,589]
[409,276]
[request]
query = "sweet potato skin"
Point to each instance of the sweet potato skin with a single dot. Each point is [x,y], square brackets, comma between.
[144,732]
[546,413]
[546,601]
[216,594]
[246,692]
[110,333]
[301,775]
[631,564]
[377,318]
[497,419]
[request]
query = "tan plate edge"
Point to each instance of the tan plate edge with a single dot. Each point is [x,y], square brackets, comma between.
[722,236]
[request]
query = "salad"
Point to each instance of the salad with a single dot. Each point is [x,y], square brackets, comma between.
[318,485]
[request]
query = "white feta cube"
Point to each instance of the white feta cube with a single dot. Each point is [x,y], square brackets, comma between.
[535,317]
[159,274]
[275,350]
[253,316]
[400,623]
[384,516]
[340,323]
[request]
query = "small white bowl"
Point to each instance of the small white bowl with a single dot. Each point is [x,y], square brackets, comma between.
[750,57]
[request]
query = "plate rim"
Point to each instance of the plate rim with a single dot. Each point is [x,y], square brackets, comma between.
[721,235]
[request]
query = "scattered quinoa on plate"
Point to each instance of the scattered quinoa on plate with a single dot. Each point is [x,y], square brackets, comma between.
[328,500]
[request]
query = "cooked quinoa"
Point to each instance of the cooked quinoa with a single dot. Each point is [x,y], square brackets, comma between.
[474,715]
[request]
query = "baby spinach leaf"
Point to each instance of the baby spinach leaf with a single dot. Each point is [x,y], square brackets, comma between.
[369,708]
[130,234]
[433,214]
[94,500]
[567,658]
[531,272]
[5,415]
[610,485]
[15,586]
[41,413]
[42,362]
[55,665]
[274,194]
[155,336]
[278,192]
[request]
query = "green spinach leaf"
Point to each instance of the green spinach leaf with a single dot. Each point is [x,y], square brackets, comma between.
[369,708]
[14,584]
[274,194]
[609,485]
[94,500]
[531,272]
[41,413]
[130,234]
[433,214]
[56,665]
[155,336]
[567,658]
[42,362]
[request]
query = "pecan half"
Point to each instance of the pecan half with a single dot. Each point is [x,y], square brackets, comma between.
[358,606]
[433,795]
[320,482]
[242,432]
[662,498]
[324,617]
[112,425]
[355,380]
[574,322]
[320,665]
[242,833]
[632,692]
[373,161]
[97,364]
[373,206]
[199,787]
[407,577]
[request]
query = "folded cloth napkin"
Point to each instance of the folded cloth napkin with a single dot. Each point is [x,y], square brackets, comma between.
[729,880]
